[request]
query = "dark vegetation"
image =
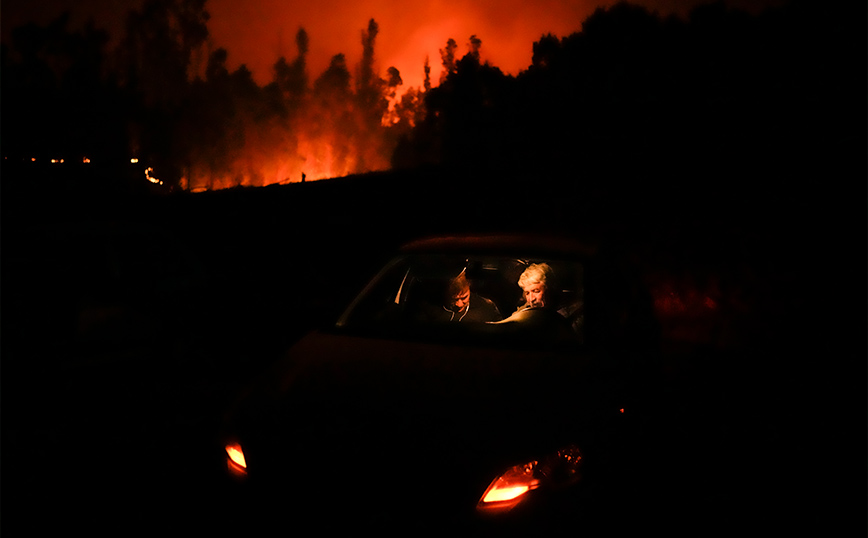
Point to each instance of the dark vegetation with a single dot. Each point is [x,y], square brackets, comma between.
[723,154]
[715,95]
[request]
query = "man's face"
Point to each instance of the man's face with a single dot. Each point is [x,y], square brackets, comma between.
[460,300]
[534,295]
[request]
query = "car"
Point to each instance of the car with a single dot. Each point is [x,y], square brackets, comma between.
[402,418]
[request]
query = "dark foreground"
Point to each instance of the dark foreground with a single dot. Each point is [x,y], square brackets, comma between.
[129,323]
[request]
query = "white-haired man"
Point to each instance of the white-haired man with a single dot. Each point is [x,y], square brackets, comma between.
[534,284]
[537,283]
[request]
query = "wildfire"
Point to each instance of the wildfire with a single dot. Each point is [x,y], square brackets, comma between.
[151,178]
[305,160]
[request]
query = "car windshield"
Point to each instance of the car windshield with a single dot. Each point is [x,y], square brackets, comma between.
[479,299]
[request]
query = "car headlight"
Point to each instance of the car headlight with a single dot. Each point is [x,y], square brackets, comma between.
[557,470]
[235,459]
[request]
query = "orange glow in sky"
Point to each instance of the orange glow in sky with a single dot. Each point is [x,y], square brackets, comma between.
[257,32]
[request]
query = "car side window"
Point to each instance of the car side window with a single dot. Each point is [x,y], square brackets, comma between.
[381,299]
[435,296]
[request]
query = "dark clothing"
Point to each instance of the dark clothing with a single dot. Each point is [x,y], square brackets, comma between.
[478,310]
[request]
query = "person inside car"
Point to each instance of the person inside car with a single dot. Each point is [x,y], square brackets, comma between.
[534,285]
[460,303]
[535,292]
[540,303]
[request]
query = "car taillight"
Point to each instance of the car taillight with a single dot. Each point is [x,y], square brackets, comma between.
[235,458]
[505,490]
[557,470]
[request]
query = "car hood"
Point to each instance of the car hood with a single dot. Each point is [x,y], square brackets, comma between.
[420,420]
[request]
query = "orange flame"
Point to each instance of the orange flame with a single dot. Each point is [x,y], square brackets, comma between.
[310,159]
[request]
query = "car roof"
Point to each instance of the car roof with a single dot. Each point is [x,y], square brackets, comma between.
[510,244]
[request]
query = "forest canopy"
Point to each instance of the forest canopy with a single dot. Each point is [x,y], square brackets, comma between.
[628,85]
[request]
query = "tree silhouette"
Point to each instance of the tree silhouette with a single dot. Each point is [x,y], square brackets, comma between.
[426,84]
[629,92]
[372,92]
[462,122]
[156,62]
[447,59]
[60,99]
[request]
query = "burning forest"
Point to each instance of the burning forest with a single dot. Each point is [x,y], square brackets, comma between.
[174,106]
[292,130]
[630,91]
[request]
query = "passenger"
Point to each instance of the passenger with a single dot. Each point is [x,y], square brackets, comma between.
[535,292]
[462,304]
[536,283]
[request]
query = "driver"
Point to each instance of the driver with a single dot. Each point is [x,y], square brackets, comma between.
[461,304]
[459,300]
